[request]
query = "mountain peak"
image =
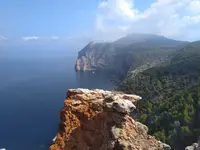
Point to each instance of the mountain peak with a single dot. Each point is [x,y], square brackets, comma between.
[102,56]
[145,38]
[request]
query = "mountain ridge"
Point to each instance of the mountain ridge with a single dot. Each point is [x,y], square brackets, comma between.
[171,93]
[118,57]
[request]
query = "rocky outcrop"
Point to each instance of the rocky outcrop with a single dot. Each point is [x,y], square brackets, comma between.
[133,53]
[83,64]
[100,120]
[94,56]
[194,146]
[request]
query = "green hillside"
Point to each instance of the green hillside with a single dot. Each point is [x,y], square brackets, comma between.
[171,97]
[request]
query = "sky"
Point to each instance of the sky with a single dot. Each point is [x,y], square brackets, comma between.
[24,21]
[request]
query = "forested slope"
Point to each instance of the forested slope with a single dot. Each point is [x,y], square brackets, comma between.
[171,97]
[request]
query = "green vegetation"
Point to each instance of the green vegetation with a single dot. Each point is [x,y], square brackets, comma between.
[171,97]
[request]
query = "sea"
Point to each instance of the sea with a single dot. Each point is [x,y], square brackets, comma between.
[33,86]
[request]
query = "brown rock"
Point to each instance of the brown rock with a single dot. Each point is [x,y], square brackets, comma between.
[100,120]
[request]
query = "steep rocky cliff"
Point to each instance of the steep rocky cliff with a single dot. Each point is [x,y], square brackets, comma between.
[95,56]
[100,120]
[128,53]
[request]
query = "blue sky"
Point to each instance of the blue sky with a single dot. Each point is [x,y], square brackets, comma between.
[99,20]
[45,17]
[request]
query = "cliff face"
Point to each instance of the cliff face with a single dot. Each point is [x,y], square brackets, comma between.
[94,56]
[100,120]
[128,53]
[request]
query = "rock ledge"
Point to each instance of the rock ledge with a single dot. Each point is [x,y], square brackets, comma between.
[100,120]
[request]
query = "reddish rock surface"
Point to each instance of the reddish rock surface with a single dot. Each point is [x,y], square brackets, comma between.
[100,120]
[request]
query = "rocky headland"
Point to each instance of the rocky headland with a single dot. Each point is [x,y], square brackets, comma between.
[101,120]
[132,53]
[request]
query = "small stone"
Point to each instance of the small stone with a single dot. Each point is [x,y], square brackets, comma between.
[116,132]
[54,139]
[76,102]
[141,129]
[189,148]
[195,145]
[123,106]
[166,147]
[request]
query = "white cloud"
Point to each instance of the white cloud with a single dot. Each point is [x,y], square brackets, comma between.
[124,28]
[2,38]
[103,4]
[123,9]
[54,38]
[28,38]
[69,37]
[172,18]
[194,6]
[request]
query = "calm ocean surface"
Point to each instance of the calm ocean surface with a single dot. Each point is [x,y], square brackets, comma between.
[33,83]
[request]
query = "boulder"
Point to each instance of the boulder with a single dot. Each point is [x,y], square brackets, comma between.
[100,120]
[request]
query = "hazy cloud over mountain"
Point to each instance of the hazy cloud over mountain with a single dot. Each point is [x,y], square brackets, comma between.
[29,38]
[98,19]
[172,18]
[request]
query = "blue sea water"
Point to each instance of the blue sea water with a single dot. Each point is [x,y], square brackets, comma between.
[33,85]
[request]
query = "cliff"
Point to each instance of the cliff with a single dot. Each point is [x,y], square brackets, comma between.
[100,120]
[136,52]
[94,56]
